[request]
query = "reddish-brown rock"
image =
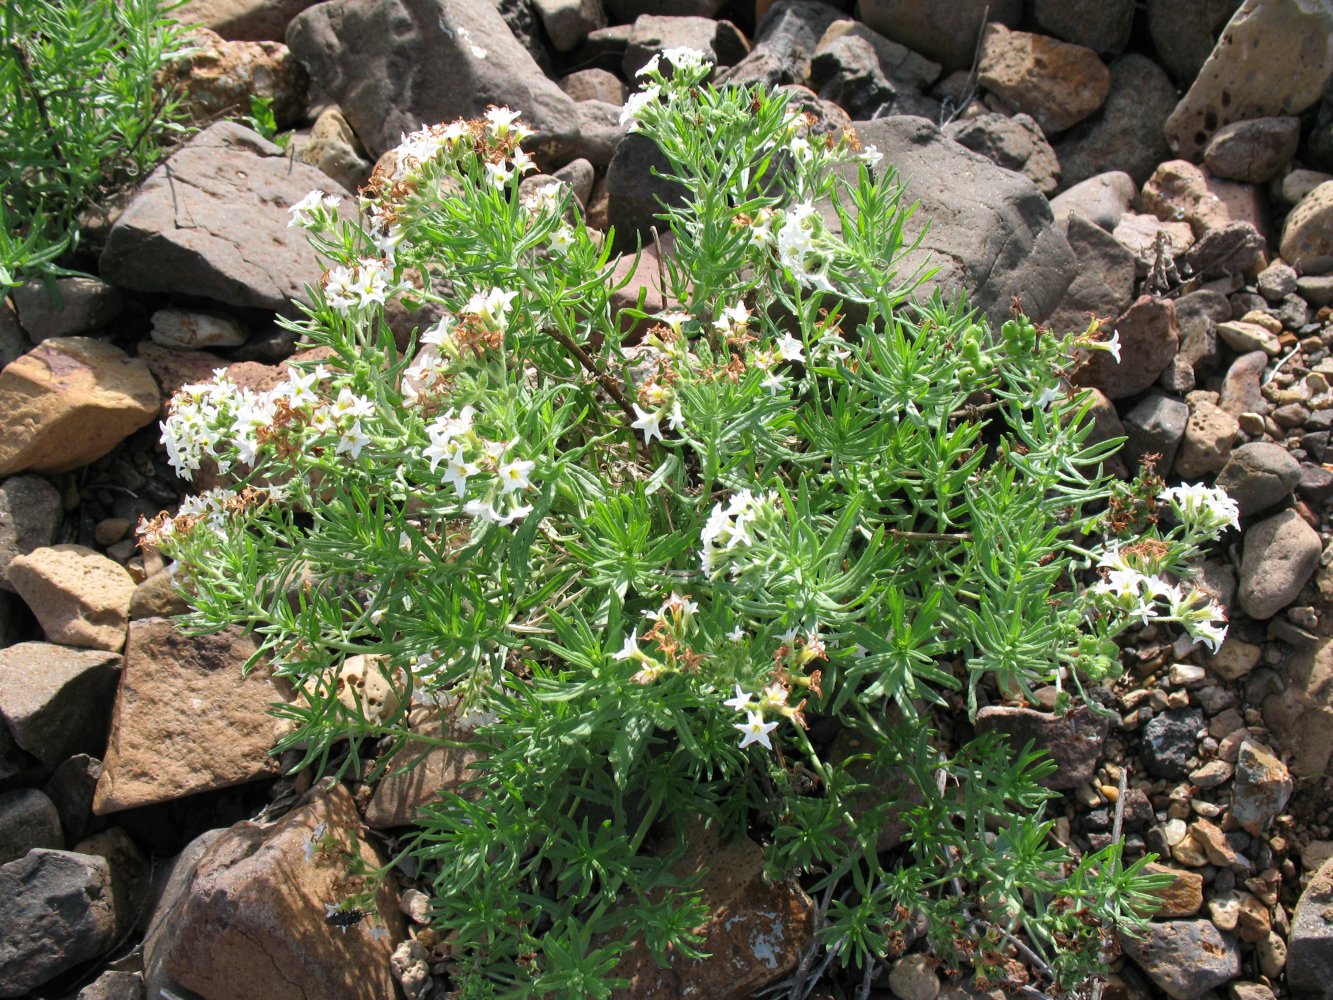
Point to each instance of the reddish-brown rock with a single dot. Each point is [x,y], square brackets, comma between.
[80,597]
[1056,83]
[1179,191]
[421,774]
[1149,339]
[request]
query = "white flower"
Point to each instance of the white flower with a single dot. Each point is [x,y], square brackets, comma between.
[499,174]
[636,103]
[340,289]
[737,634]
[675,418]
[790,349]
[742,701]
[300,389]
[305,213]
[484,511]
[871,156]
[1112,346]
[457,471]
[312,842]
[562,239]
[352,441]
[522,162]
[774,382]
[514,475]
[649,423]
[630,651]
[491,306]
[651,66]
[349,404]
[499,120]
[1205,508]
[756,730]
[439,335]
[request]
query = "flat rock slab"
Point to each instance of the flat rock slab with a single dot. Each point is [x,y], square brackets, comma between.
[56,911]
[212,222]
[185,720]
[68,402]
[1184,958]
[991,232]
[428,61]
[54,699]
[80,597]
[248,919]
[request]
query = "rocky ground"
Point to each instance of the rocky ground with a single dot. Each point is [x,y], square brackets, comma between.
[1159,165]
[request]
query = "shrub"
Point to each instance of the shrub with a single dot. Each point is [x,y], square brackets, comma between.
[660,581]
[84,117]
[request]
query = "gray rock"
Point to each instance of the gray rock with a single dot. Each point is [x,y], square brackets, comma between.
[720,41]
[1073,741]
[1277,281]
[1254,150]
[991,232]
[30,513]
[851,71]
[28,819]
[1242,389]
[1263,787]
[1317,289]
[1127,134]
[1184,32]
[633,190]
[428,61]
[784,41]
[57,912]
[333,149]
[1155,426]
[1101,25]
[628,10]
[243,20]
[1197,315]
[567,22]
[1103,284]
[944,32]
[13,761]
[1184,958]
[56,699]
[1316,485]
[1233,248]
[70,308]
[1310,951]
[71,787]
[1148,341]
[898,62]
[1281,554]
[130,874]
[600,132]
[212,221]
[13,343]
[114,986]
[522,22]
[1170,740]
[579,175]
[193,330]
[1102,199]
[1259,475]
[1015,143]
[1209,434]
[594,85]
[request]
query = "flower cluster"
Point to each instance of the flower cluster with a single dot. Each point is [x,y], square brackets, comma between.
[466,454]
[1131,587]
[1205,510]
[731,529]
[216,420]
[688,66]
[773,700]
[355,289]
[673,624]
[314,211]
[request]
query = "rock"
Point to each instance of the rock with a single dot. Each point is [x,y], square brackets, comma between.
[1307,235]
[1154,426]
[991,232]
[1259,475]
[13,343]
[1262,788]
[1148,238]
[333,149]
[628,10]
[428,61]
[1300,712]
[1102,199]
[30,513]
[1183,897]
[1245,338]
[130,874]
[1310,954]
[1253,151]
[157,597]
[255,900]
[212,222]
[71,789]
[567,22]
[946,33]
[80,597]
[633,190]
[68,402]
[174,369]
[28,819]
[600,132]
[1073,741]
[1249,991]
[54,698]
[1184,31]
[580,175]
[1281,554]
[869,76]
[784,41]
[114,986]
[79,305]
[189,330]
[1317,289]
[243,20]
[897,62]
[720,41]
[1242,390]
[1103,284]
[1184,958]
[913,978]
[1292,33]
[1101,26]
[754,933]
[1232,249]
[1277,281]
[434,771]
[1206,446]
[57,913]
[217,78]
[1234,659]
[1056,83]
[185,720]
[594,85]
[1179,191]
[1148,341]
[1013,143]
[1170,740]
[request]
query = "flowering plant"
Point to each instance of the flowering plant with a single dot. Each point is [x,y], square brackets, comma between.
[742,571]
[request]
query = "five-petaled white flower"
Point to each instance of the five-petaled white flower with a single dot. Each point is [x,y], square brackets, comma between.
[649,423]
[743,700]
[630,651]
[514,475]
[499,120]
[790,348]
[756,730]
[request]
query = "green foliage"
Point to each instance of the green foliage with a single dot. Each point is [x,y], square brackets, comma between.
[84,116]
[736,574]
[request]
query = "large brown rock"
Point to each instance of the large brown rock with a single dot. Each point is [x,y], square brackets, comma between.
[1242,79]
[54,699]
[1056,83]
[68,402]
[1310,958]
[212,222]
[420,774]
[1073,741]
[219,78]
[247,919]
[1300,715]
[248,20]
[185,720]
[1179,191]
[1149,338]
[80,597]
